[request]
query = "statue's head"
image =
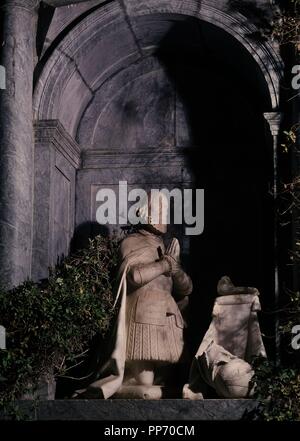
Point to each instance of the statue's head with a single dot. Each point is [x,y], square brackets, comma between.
[153,212]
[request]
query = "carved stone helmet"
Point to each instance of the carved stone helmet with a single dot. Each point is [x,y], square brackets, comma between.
[154,211]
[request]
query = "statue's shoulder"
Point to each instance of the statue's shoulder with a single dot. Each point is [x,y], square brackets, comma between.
[130,243]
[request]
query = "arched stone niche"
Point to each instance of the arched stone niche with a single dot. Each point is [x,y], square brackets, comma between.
[113,37]
[164,94]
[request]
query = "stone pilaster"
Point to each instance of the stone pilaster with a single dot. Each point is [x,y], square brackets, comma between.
[57,157]
[16,141]
[296,177]
[274,121]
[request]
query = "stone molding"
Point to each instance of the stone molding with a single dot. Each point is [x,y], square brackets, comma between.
[274,120]
[58,3]
[52,131]
[96,158]
[28,5]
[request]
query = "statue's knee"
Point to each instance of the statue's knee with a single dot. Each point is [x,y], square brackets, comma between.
[143,372]
[145,378]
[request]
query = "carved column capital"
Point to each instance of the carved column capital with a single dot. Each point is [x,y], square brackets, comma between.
[274,120]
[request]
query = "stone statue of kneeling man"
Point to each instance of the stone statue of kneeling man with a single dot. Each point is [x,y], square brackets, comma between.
[147,342]
[232,340]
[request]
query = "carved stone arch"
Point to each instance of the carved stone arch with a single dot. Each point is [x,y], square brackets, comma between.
[64,75]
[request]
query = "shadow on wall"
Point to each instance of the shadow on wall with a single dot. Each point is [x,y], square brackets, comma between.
[85,232]
[230,158]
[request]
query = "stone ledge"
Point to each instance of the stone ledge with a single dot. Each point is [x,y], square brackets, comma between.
[139,410]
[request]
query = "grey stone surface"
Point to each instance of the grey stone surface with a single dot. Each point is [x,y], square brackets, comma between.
[138,108]
[138,410]
[57,157]
[45,390]
[140,170]
[16,143]
[64,16]
[59,3]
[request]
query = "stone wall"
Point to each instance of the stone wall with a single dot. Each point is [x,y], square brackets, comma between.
[139,410]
